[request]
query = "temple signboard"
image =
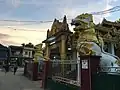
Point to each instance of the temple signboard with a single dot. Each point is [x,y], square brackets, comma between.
[84,64]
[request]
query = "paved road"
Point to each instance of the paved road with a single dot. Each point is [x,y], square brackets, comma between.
[17,82]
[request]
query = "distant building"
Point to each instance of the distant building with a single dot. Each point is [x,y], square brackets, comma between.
[110,32]
[4,54]
[16,54]
[28,51]
[21,53]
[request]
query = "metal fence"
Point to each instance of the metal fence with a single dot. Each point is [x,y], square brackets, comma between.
[110,69]
[66,71]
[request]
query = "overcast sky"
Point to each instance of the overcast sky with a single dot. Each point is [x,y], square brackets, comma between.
[45,10]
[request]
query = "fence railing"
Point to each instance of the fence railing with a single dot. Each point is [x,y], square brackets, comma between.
[65,71]
[110,69]
[68,71]
[65,80]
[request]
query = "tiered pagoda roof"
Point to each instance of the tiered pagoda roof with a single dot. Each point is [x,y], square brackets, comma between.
[109,28]
[110,23]
[58,28]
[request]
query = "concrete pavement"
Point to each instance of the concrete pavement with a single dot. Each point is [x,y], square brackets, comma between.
[17,82]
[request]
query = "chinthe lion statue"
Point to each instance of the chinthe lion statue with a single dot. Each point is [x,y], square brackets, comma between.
[38,53]
[89,43]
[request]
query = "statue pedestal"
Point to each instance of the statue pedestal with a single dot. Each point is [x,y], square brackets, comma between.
[89,66]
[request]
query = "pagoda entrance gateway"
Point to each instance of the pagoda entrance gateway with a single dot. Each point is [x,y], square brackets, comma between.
[77,78]
[86,75]
[91,65]
[57,79]
[58,41]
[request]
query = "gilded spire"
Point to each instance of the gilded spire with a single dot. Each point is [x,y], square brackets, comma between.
[55,20]
[64,19]
[64,24]
[48,33]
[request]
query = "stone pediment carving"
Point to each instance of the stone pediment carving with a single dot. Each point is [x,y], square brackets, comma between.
[107,36]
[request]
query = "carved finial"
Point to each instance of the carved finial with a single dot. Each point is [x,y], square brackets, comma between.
[48,33]
[104,19]
[55,20]
[48,30]
[65,19]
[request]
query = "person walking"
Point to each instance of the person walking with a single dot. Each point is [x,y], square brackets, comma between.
[15,68]
[6,67]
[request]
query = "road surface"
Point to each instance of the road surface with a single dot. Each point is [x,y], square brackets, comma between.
[17,82]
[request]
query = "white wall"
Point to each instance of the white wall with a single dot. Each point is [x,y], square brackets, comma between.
[27,52]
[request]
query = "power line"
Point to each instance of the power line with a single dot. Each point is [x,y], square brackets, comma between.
[29,21]
[26,29]
[114,9]
[20,22]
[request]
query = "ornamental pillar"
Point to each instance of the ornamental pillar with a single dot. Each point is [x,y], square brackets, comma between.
[63,48]
[47,52]
[73,66]
[63,52]
[112,48]
[89,68]
[46,67]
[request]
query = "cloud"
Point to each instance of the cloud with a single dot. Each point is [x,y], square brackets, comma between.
[5,39]
[108,6]
[4,36]
[57,8]
[72,12]
[7,42]
[20,36]
[12,3]
[83,6]
[7,36]
[44,10]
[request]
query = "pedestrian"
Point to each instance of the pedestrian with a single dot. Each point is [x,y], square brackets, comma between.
[6,68]
[15,68]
